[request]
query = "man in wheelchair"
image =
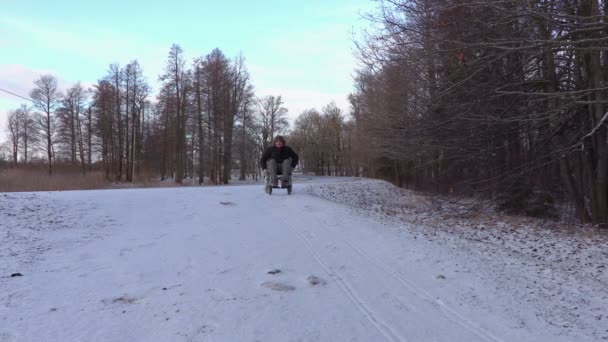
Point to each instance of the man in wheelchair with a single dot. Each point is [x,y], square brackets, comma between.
[279,159]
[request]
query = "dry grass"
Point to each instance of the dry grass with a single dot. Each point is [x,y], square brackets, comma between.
[38,179]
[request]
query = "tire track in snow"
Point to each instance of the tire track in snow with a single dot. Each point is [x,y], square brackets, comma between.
[448,312]
[381,326]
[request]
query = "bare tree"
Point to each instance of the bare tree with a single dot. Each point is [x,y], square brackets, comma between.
[198,103]
[104,125]
[136,92]
[70,123]
[247,138]
[202,123]
[220,113]
[273,117]
[511,107]
[29,130]
[46,97]
[14,133]
[115,76]
[241,99]
[323,142]
[332,128]
[89,137]
[176,84]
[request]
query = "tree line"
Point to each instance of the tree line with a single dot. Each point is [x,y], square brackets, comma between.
[497,99]
[326,142]
[489,98]
[205,122]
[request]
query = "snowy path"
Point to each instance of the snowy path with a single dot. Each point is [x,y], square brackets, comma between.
[192,264]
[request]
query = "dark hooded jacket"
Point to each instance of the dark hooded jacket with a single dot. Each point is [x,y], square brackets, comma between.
[279,155]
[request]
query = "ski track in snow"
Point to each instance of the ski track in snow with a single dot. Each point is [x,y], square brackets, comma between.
[192,264]
[449,312]
[382,327]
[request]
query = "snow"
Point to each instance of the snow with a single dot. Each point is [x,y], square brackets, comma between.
[340,260]
[558,268]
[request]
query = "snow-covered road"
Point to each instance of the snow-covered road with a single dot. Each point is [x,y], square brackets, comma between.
[234,264]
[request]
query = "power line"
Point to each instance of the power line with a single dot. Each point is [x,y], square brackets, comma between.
[11,93]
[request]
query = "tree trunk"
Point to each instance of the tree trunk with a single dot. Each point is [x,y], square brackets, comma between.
[201,135]
[49,142]
[90,137]
[243,162]
[81,144]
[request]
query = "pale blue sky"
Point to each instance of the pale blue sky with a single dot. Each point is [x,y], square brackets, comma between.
[299,49]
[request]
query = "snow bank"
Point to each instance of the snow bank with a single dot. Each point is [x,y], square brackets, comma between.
[560,267]
[570,246]
[374,196]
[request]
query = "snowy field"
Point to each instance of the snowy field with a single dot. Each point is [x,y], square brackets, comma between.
[340,260]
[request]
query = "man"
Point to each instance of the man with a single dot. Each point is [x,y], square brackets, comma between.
[279,154]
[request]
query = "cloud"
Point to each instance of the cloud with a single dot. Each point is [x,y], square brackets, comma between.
[312,68]
[88,46]
[299,100]
[19,79]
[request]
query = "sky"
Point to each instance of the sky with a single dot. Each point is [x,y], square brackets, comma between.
[302,50]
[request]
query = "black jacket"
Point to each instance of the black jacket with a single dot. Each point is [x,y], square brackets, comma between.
[279,155]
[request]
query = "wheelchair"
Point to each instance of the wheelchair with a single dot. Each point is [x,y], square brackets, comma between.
[280,181]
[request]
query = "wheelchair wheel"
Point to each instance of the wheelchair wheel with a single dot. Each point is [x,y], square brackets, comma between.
[267,188]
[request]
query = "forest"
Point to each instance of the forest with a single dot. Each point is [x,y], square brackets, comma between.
[498,99]
[204,122]
[502,100]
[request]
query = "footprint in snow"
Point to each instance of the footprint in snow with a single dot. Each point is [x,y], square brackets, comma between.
[5,336]
[314,280]
[121,299]
[277,286]
[227,203]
